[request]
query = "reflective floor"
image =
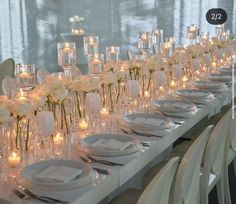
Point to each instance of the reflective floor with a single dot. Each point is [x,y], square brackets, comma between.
[30,30]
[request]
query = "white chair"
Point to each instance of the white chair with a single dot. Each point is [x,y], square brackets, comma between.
[41,75]
[6,69]
[187,184]
[159,188]
[9,86]
[212,171]
[230,155]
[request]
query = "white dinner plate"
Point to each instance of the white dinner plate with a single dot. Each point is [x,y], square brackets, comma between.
[193,93]
[209,84]
[220,77]
[147,122]
[28,174]
[174,106]
[85,145]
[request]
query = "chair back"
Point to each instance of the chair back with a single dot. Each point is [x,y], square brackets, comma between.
[187,186]
[159,188]
[9,86]
[7,68]
[41,75]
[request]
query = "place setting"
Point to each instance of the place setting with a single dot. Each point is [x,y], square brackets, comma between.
[219,77]
[212,86]
[49,180]
[199,97]
[109,149]
[146,124]
[176,110]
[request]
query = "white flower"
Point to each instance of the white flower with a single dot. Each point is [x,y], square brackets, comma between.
[4,114]
[3,99]
[22,107]
[59,95]
[53,82]
[87,83]
[109,78]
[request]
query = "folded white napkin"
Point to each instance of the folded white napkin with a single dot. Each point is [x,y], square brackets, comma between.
[148,121]
[111,144]
[58,174]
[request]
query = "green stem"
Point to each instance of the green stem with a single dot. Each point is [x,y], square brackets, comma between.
[149,80]
[118,93]
[78,103]
[143,86]
[110,93]
[64,113]
[62,116]
[17,131]
[27,135]
[103,94]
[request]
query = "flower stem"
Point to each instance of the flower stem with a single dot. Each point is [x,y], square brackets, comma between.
[110,93]
[64,113]
[118,92]
[149,80]
[17,131]
[27,135]
[78,104]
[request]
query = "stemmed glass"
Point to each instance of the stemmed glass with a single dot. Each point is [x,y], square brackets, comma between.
[66,53]
[25,76]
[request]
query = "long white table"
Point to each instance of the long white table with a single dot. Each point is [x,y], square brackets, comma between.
[107,186]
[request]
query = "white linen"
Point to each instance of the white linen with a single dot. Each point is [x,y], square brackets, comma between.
[111,144]
[58,174]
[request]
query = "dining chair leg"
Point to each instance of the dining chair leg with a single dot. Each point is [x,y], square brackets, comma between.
[220,190]
[226,186]
[234,166]
[204,196]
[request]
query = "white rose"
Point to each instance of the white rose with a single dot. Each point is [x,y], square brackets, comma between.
[53,82]
[88,83]
[59,95]
[22,107]
[4,114]
[38,101]
[3,99]
[75,85]
[109,78]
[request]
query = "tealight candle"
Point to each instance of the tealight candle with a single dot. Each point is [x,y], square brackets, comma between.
[14,159]
[112,50]
[146,94]
[185,78]
[172,84]
[24,75]
[104,113]
[161,89]
[96,61]
[22,97]
[83,125]
[58,138]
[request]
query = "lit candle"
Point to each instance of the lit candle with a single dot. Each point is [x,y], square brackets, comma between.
[144,37]
[104,113]
[21,96]
[146,94]
[112,50]
[14,159]
[58,138]
[91,42]
[83,125]
[161,90]
[172,84]
[185,78]
[66,48]
[24,74]
[96,61]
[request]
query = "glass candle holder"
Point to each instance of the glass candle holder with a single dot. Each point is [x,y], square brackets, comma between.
[165,48]
[225,35]
[144,40]
[157,36]
[219,29]
[25,76]
[204,38]
[90,45]
[112,53]
[192,32]
[76,25]
[95,64]
[66,56]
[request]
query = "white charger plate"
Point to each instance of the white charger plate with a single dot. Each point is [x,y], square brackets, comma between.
[85,145]
[28,174]
[209,84]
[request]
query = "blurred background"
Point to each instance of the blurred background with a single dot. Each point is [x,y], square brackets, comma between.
[30,30]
